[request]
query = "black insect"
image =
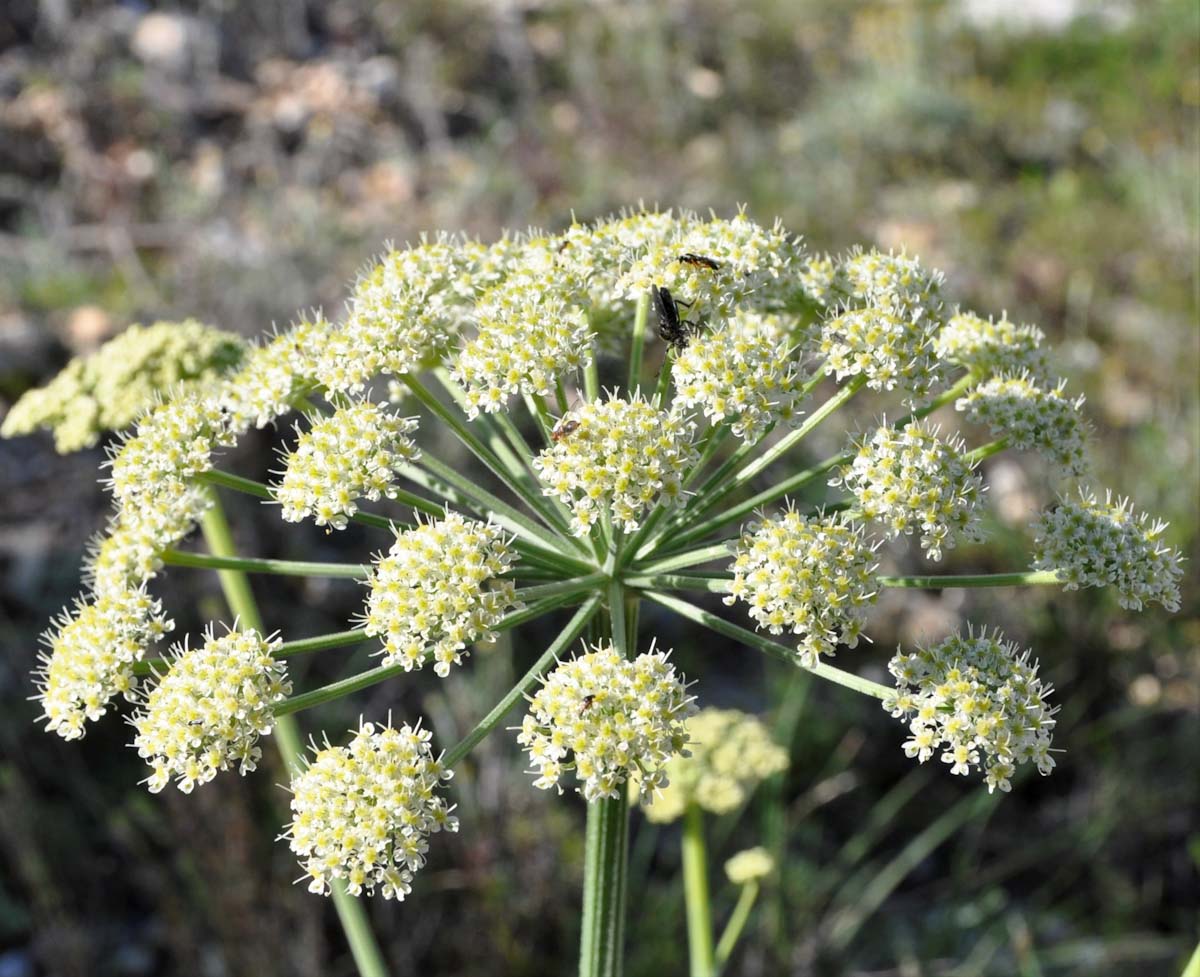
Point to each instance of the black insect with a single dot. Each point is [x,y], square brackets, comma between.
[588,701]
[671,328]
[699,260]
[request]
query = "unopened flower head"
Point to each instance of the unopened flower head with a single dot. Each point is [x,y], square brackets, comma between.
[605,717]
[129,554]
[809,577]
[989,347]
[912,481]
[525,342]
[436,592]
[979,702]
[107,390]
[363,812]
[818,277]
[744,371]
[275,375]
[1032,418]
[717,264]
[352,454]
[91,656]
[170,446]
[731,753]
[749,866]
[621,455]
[208,711]
[884,333]
[1092,544]
[404,313]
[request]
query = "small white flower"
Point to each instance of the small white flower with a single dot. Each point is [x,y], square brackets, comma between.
[990,347]
[624,455]
[435,592]
[1030,417]
[364,812]
[810,577]
[912,481]
[977,701]
[91,656]
[1092,544]
[605,717]
[352,454]
[208,711]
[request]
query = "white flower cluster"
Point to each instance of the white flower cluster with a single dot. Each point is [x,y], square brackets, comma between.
[616,715]
[731,754]
[404,313]
[1032,418]
[107,390]
[352,454]
[891,312]
[1092,543]
[990,347]
[129,554]
[977,701]
[742,371]
[912,481]
[749,866]
[170,446]
[364,812]
[430,596]
[811,577]
[525,341]
[208,711]
[275,375]
[623,455]
[91,656]
[716,264]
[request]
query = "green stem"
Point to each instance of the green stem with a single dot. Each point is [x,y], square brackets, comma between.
[973,458]
[531,678]
[1023,579]
[691,558]
[737,922]
[695,893]
[663,383]
[239,596]
[673,581]
[322,642]
[784,444]
[591,378]
[637,349]
[782,652]
[248,486]
[245,564]
[604,883]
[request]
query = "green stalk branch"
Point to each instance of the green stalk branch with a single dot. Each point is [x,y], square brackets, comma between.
[671,581]
[690,558]
[782,652]
[565,639]
[245,564]
[1023,579]
[322,642]
[974,457]
[737,922]
[637,348]
[367,958]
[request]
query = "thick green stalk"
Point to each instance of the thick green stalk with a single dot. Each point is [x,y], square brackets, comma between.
[737,922]
[531,678]
[677,581]
[239,596]
[1025,578]
[606,855]
[695,893]
[637,348]
[773,648]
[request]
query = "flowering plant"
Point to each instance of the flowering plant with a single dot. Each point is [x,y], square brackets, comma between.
[614,484]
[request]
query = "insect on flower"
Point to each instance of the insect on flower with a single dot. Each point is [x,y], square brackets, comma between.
[699,261]
[671,329]
[565,427]
[588,701]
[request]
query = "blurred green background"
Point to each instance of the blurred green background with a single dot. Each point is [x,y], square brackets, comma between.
[239,161]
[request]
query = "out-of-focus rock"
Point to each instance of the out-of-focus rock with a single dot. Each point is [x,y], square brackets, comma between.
[176,45]
[86,328]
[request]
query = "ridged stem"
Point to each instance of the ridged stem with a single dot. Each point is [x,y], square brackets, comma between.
[695,893]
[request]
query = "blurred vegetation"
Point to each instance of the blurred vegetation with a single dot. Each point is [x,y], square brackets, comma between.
[238,161]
